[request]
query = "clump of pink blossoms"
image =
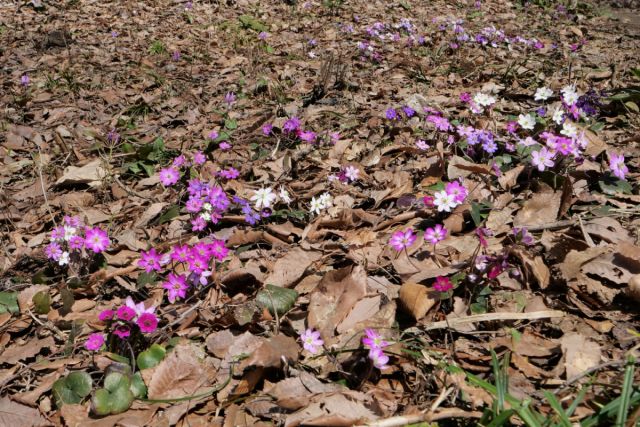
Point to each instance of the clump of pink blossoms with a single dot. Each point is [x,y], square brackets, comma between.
[72,240]
[376,344]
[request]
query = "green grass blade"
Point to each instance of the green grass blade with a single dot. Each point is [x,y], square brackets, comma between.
[557,407]
[627,388]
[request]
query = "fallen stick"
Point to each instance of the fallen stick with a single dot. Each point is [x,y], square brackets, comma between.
[403,420]
[489,317]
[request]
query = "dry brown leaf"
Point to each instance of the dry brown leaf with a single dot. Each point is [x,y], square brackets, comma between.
[335,410]
[580,354]
[15,414]
[17,352]
[291,267]
[417,299]
[634,287]
[25,297]
[295,393]
[541,208]
[334,297]
[92,173]
[183,372]
[273,352]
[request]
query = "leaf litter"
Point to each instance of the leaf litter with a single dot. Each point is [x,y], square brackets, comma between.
[337,139]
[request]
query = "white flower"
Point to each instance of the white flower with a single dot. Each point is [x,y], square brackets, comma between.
[64,258]
[263,198]
[312,54]
[484,100]
[206,216]
[558,116]
[569,129]
[527,122]
[569,94]
[284,195]
[351,173]
[207,207]
[444,201]
[326,200]
[69,232]
[316,206]
[542,94]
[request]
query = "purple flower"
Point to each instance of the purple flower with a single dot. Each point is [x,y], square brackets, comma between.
[373,340]
[263,35]
[224,146]
[378,358]
[267,128]
[213,135]
[169,176]
[96,239]
[291,125]
[617,166]
[176,286]
[391,114]
[230,98]
[408,111]
[24,80]
[150,260]
[176,55]
[307,136]
[311,340]
[435,234]
[113,136]
[522,235]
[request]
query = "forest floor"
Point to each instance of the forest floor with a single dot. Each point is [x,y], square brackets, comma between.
[324,213]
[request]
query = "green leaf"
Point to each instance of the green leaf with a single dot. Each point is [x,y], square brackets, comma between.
[101,402]
[116,380]
[9,302]
[251,22]
[614,185]
[42,302]
[138,388]
[72,388]
[148,169]
[276,299]
[632,106]
[231,124]
[151,357]
[169,214]
[145,279]
[475,214]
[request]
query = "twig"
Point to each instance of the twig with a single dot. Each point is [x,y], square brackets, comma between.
[185,314]
[551,225]
[576,378]
[445,413]
[489,317]
[49,326]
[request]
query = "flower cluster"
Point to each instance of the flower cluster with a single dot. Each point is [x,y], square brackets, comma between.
[323,201]
[124,321]
[198,259]
[73,240]
[171,175]
[376,344]
[454,194]
[207,203]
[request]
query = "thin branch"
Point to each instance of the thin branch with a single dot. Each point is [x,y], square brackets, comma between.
[489,317]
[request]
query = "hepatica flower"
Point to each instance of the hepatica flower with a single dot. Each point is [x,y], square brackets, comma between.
[169,176]
[617,166]
[150,260]
[442,284]
[94,342]
[375,343]
[147,322]
[311,340]
[24,80]
[351,173]
[542,94]
[96,239]
[324,201]
[263,198]
[435,234]
[527,121]
[402,239]
[444,201]
[542,159]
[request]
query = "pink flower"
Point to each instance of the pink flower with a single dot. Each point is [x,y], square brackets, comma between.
[617,166]
[442,284]
[213,135]
[180,253]
[176,286]
[96,239]
[307,136]
[441,123]
[311,340]
[169,176]
[198,224]
[53,251]
[94,342]
[224,146]
[457,190]
[218,249]
[267,128]
[542,159]
[378,358]
[402,239]
[199,158]
[106,315]
[373,340]
[150,260]
[76,242]
[147,322]
[126,313]
[435,234]
[122,331]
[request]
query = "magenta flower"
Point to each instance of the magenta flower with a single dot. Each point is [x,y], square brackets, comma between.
[218,250]
[53,251]
[542,159]
[122,331]
[169,176]
[180,253]
[213,135]
[96,239]
[379,359]
[24,80]
[94,342]
[617,166]
[150,260]
[402,239]
[106,315]
[76,242]
[199,158]
[176,286]
[224,146]
[139,308]
[442,284]
[307,136]
[147,323]
[291,125]
[373,340]
[267,128]
[311,340]
[126,313]
[435,234]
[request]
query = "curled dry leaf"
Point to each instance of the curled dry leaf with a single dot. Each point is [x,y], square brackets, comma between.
[295,393]
[417,299]
[92,174]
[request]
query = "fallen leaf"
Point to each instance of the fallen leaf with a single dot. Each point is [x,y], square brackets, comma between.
[541,208]
[580,354]
[17,352]
[92,174]
[15,414]
[417,299]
